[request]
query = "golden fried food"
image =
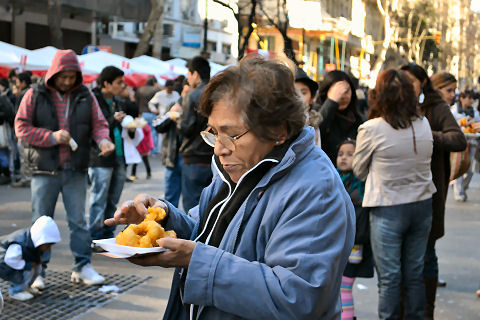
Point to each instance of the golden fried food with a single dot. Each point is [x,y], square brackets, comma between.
[128,237]
[466,125]
[155,214]
[145,234]
[170,234]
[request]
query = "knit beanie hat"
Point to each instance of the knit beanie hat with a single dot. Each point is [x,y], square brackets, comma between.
[44,230]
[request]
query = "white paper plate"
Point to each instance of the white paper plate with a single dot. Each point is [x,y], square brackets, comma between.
[472,135]
[119,251]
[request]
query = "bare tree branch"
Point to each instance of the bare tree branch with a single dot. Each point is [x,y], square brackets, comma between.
[226,6]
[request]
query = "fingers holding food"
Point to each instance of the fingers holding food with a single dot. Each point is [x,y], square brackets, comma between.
[146,233]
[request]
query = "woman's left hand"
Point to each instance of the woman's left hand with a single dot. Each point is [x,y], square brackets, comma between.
[179,254]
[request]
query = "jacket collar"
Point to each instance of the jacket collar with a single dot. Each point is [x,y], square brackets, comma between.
[302,145]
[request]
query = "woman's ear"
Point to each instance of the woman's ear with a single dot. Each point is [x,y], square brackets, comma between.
[281,133]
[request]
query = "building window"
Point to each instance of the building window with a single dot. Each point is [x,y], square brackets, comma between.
[211,46]
[168,30]
[226,48]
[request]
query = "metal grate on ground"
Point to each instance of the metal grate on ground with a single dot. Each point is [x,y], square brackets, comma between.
[61,299]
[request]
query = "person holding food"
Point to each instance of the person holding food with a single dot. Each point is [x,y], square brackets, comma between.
[57,122]
[468,118]
[132,135]
[275,227]
[107,173]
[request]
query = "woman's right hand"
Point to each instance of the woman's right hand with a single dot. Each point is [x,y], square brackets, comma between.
[338,90]
[135,211]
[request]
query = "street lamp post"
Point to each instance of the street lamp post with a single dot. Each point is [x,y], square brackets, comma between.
[205,28]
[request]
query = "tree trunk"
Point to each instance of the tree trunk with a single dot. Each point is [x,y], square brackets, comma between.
[386,41]
[155,14]
[158,37]
[54,19]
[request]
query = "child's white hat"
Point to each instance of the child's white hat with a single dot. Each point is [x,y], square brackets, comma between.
[44,230]
[127,121]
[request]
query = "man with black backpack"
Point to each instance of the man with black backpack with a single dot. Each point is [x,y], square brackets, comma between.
[56,122]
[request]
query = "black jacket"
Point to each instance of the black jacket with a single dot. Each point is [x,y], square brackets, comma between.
[46,160]
[108,112]
[171,140]
[6,110]
[193,149]
[336,126]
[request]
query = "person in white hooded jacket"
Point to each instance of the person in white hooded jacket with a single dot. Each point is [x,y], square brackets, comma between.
[22,254]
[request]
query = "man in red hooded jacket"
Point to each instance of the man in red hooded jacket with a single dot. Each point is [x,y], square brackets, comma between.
[56,122]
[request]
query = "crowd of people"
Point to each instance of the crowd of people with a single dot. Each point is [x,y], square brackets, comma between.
[299,186]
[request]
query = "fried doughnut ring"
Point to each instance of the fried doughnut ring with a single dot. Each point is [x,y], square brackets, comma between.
[145,234]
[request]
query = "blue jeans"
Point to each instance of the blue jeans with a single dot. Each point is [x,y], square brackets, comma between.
[195,177]
[107,186]
[148,116]
[399,236]
[173,182]
[28,277]
[45,190]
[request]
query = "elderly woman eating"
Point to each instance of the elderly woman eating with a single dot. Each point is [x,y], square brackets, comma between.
[272,233]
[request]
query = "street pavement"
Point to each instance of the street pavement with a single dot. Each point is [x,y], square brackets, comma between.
[459,257]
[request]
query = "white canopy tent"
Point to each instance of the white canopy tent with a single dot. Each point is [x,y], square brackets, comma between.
[94,62]
[14,57]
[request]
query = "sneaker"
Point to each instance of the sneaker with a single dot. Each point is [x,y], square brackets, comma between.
[38,284]
[22,296]
[20,184]
[460,197]
[133,178]
[88,275]
[34,291]
[149,176]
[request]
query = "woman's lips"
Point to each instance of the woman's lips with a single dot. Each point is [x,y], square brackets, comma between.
[228,167]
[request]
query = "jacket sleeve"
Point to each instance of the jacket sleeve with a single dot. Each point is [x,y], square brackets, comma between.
[188,122]
[179,221]
[363,153]
[327,112]
[100,127]
[449,137]
[13,257]
[24,128]
[299,277]
[163,124]
[153,103]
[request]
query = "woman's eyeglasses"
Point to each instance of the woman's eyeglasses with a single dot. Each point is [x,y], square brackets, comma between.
[227,141]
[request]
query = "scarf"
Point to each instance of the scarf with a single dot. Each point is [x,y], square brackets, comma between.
[352,183]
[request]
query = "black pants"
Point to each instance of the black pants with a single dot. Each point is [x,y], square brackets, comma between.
[147,166]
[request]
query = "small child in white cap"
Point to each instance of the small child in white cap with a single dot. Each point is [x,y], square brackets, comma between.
[22,254]
[132,136]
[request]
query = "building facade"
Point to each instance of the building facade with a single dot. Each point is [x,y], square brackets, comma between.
[119,24]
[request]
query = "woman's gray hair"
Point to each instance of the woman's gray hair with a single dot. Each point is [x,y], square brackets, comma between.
[263,92]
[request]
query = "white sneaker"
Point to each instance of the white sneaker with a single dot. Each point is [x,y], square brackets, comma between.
[39,283]
[22,296]
[34,291]
[88,275]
